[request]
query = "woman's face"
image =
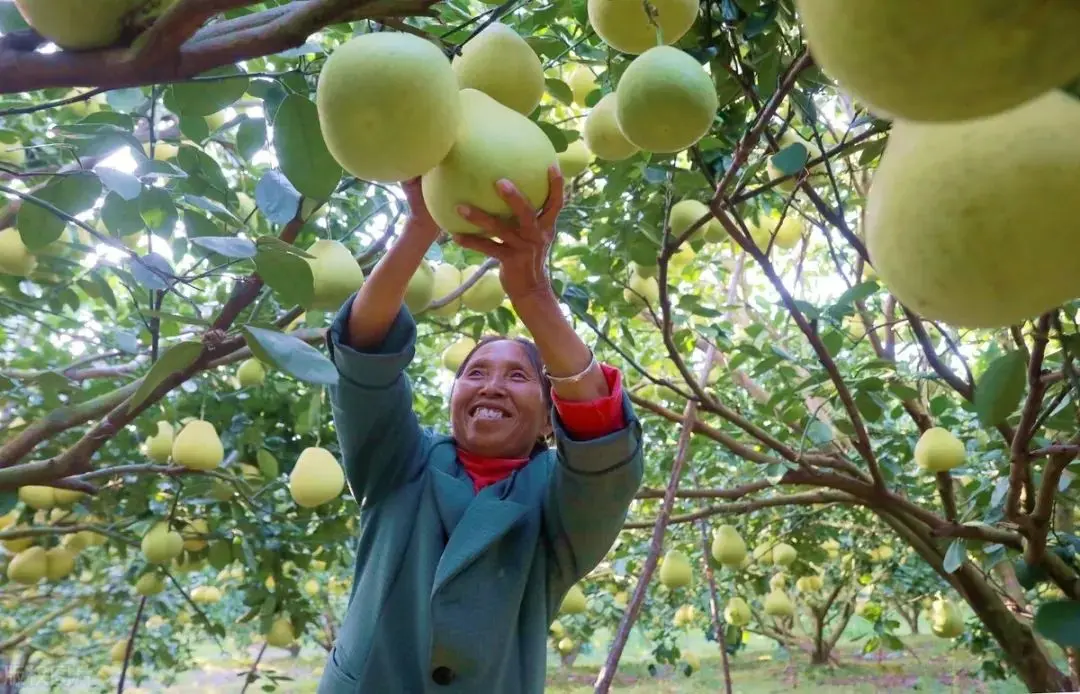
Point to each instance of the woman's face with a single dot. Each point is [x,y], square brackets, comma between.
[497,406]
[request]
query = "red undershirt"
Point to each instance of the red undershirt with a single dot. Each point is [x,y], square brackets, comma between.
[582,420]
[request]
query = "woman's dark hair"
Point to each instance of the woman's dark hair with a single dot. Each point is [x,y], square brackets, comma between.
[534,359]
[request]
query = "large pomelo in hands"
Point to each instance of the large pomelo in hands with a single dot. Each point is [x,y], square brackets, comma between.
[624,25]
[494,142]
[499,63]
[316,478]
[80,25]
[388,106]
[335,274]
[665,101]
[602,134]
[944,61]
[961,217]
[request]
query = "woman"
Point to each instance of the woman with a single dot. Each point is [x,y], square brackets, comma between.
[469,543]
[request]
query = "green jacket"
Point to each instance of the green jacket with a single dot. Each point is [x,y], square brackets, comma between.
[454,590]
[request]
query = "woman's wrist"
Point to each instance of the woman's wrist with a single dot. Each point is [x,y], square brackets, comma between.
[421,229]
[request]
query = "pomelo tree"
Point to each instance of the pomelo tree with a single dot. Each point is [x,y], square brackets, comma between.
[170,203]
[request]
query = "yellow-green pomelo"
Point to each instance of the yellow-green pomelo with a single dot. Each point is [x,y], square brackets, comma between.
[737,612]
[642,290]
[784,554]
[158,447]
[335,274]
[666,101]
[78,24]
[790,231]
[624,25]
[487,294]
[574,602]
[68,624]
[281,633]
[582,82]
[602,134]
[162,150]
[12,154]
[149,584]
[215,120]
[37,496]
[945,619]
[574,159]
[388,106]
[15,257]
[59,562]
[944,61]
[195,534]
[251,373]
[499,63]
[685,213]
[447,278]
[84,108]
[28,566]
[206,595]
[960,216]
[938,450]
[161,544]
[316,478]
[494,142]
[455,354]
[778,604]
[419,291]
[809,584]
[676,571]
[197,446]
[728,547]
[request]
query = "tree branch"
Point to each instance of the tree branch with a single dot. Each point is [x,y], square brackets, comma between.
[223,43]
[797,499]
[1018,467]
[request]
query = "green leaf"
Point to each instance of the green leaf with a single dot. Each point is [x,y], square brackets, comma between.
[204,174]
[251,137]
[204,97]
[123,184]
[291,355]
[301,150]
[121,217]
[284,270]
[558,139]
[140,270]
[157,210]
[1000,388]
[176,358]
[11,19]
[220,554]
[228,246]
[868,406]
[268,464]
[955,556]
[1059,621]
[791,159]
[276,198]
[872,151]
[194,127]
[70,193]
[8,499]
[560,90]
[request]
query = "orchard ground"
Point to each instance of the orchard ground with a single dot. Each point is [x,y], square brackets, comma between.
[931,665]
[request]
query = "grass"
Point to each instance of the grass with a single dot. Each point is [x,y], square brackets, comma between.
[931,666]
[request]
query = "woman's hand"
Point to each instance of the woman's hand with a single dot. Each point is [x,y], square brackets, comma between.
[420,220]
[522,246]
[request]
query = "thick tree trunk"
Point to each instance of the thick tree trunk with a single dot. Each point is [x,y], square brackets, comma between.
[1023,652]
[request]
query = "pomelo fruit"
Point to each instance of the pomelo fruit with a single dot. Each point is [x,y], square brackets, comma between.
[574,159]
[944,61]
[316,478]
[447,278]
[421,286]
[335,273]
[494,142]
[945,619]
[624,25]
[198,446]
[939,451]
[582,82]
[961,216]
[685,213]
[486,294]
[12,154]
[388,106]
[455,354]
[79,25]
[778,604]
[665,101]
[602,134]
[15,258]
[737,612]
[641,290]
[499,63]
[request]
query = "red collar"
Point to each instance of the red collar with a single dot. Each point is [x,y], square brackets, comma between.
[487,471]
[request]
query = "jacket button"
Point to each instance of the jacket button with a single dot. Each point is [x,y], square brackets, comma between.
[442,675]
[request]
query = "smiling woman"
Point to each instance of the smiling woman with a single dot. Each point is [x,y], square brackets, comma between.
[469,542]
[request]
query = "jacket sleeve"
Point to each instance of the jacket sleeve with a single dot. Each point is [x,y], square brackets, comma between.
[589,493]
[380,437]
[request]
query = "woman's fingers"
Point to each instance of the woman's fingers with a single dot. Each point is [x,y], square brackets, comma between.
[519,205]
[556,196]
[481,245]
